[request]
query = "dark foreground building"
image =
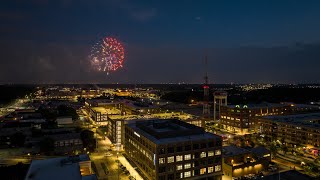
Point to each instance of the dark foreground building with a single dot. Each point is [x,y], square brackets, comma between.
[173,149]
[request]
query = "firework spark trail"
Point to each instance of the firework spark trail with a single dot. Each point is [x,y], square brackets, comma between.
[107,55]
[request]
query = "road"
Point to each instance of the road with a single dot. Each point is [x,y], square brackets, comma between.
[106,160]
[109,159]
[26,159]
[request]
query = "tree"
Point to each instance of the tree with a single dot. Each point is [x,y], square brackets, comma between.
[18,139]
[67,111]
[285,149]
[242,142]
[50,124]
[36,132]
[252,144]
[47,145]
[78,129]
[311,167]
[48,114]
[17,171]
[273,150]
[88,140]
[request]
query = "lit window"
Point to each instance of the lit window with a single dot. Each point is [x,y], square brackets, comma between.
[210,169]
[179,158]
[181,175]
[203,170]
[210,153]
[187,174]
[203,154]
[171,159]
[187,166]
[187,157]
[217,168]
[161,160]
[218,152]
[179,167]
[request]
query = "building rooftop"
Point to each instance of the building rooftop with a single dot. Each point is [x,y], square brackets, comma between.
[260,151]
[57,168]
[287,175]
[64,136]
[254,106]
[164,131]
[306,120]
[234,151]
[98,101]
[275,105]
[104,110]
[138,104]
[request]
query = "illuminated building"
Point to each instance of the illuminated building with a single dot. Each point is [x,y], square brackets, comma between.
[116,128]
[196,121]
[242,118]
[139,108]
[100,109]
[238,162]
[298,129]
[116,131]
[173,149]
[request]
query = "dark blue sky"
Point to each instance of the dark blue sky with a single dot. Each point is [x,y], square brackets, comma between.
[48,41]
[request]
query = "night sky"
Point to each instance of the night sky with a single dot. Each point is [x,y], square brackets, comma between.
[265,41]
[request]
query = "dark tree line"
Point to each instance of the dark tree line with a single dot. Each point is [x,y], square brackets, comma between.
[9,93]
[88,140]
[237,96]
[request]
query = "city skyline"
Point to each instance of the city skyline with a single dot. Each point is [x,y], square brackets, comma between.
[165,42]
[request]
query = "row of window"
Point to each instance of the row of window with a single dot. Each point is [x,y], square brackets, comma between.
[196,172]
[197,146]
[144,142]
[186,157]
[68,143]
[188,166]
[141,149]
[237,124]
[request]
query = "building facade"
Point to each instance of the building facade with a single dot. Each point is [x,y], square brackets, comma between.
[173,149]
[219,99]
[298,129]
[238,162]
[116,132]
[242,118]
[67,143]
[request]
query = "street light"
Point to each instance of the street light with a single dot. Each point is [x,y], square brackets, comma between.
[29,155]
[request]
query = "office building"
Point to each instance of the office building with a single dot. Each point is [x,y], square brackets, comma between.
[297,129]
[242,118]
[173,149]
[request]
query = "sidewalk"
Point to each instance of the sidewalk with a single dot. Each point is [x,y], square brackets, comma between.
[131,170]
